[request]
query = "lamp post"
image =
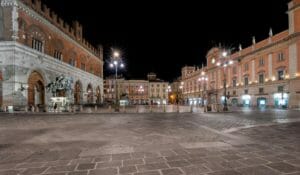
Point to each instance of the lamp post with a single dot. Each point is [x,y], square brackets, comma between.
[116,62]
[224,62]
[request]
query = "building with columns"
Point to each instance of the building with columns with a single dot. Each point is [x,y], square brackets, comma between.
[158,90]
[36,47]
[267,73]
[151,91]
[131,92]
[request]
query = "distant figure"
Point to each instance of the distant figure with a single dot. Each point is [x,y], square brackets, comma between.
[55,107]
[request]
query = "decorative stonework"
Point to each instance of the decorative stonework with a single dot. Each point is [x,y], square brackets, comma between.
[54,28]
[15,76]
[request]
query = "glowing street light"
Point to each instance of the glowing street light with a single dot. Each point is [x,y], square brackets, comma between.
[116,54]
[225,63]
[116,63]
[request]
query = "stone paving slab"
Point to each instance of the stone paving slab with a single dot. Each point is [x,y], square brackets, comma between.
[185,144]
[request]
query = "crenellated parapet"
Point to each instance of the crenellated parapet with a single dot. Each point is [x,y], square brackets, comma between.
[74,31]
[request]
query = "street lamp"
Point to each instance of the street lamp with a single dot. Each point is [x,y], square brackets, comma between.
[224,62]
[116,62]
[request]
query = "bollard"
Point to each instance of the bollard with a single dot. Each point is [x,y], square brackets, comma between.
[37,109]
[81,108]
[164,108]
[191,109]
[96,108]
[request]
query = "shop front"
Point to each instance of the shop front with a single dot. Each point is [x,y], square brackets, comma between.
[281,100]
[261,102]
[195,101]
[246,100]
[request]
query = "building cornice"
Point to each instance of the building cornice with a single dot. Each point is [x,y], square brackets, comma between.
[286,39]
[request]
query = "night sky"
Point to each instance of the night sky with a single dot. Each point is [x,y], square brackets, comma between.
[163,37]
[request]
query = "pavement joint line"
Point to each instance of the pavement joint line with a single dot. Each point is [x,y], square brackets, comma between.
[227,131]
[241,139]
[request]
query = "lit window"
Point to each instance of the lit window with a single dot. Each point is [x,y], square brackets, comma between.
[213,60]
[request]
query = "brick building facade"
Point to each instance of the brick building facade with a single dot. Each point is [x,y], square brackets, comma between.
[36,47]
[265,74]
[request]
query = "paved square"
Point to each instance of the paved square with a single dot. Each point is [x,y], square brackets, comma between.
[242,142]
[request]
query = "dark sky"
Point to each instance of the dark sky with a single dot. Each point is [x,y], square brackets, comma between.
[164,36]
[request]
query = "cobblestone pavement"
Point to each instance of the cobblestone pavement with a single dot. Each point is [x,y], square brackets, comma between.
[239,143]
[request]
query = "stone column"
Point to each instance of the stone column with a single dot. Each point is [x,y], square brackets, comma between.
[270,65]
[293,62]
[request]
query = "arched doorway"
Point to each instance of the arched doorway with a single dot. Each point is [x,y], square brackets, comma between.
[89,91]
[77,93]
[36,90]
[98,95]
